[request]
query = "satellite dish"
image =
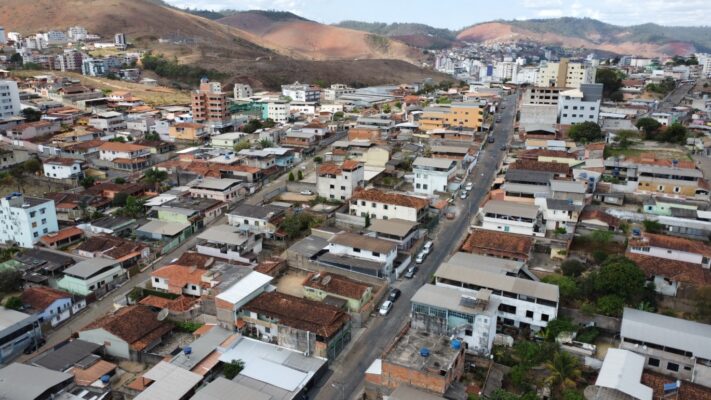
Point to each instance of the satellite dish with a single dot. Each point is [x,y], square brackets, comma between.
[326,279]
[163,314]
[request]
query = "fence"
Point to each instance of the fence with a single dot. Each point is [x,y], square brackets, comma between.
[610,324]
[296,187]
[349,221]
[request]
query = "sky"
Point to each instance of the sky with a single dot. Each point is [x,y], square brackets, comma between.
[456,14]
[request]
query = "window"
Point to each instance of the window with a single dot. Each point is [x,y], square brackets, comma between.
[356,250]
[35,234]
[544,317]
[267,329]
[376,254]
[362,203]
[677,189]
[156,280]
[529,314]
[343,188]
[673,367]
[332,186]
[373,205]
[44,221]
[653,362]
[193,287]
[660,188]
[385,206]
[45,230]
[32,214]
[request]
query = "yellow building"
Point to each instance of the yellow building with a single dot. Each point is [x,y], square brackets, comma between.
[188,132]
[463,115]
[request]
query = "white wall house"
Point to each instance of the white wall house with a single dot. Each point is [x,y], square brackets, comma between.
[301,92]
[338,182]
[9,99]
[63,168]
[278,111]
[108,121]
[672,248]
[580,105]
[433,174]
[24,220]
[523,302]
[228,242]
[88,276]
[364,247]
[242,91]
[381,205]
[226,190]
[110,151]
[179,279]
[512,217]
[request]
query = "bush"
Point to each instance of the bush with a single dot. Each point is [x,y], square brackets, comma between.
[572,268]
[291,177]
[300,175]
[233,368]
[599,256]
[318,159]
[13,303]
[610,305]
[556,326]
[567,286]
[587,335]
[188,326]
[586,132]
[652,226]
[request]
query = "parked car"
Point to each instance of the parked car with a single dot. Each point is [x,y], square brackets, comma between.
[394,294]
[306,193]
[385,307]
[410,273]
[427,248]
[498,119]
[504,148]
[491,139]
[469,186]
[420,257]
[463,195]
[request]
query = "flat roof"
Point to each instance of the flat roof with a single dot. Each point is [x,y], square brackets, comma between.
[27,382]
[309,246]
[395,226]
[201,348]
[443,163]
[456,300]
[667,331]
[354,240]
[9,317]
[405,392]
[569,186]
[244,287]
[511,208]
[164,227]
[486,263]
[171,382]
[498,281]
[223,389]
[86,268]
[224,234]
[216,183]
[622,371]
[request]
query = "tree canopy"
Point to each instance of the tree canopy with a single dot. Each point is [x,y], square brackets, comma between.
[610,79]
[586,132]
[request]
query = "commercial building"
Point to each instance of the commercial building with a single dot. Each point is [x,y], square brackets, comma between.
[234,293]
[209,104]
[9,99]
[565,74]
[18,331]
[24,220]
[433,174]
[580,105]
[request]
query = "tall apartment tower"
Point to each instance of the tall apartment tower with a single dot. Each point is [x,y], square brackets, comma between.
[209,104]
[9,99]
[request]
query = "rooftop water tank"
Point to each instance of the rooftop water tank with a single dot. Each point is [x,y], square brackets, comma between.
[456,344]
[105,379]
[425,352]
[188,350]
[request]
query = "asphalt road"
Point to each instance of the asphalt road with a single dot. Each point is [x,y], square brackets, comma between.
[345,379]
[673,99]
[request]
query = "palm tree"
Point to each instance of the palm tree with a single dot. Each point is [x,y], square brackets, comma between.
[564,371]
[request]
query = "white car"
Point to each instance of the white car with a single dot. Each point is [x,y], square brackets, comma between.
[469,186]
[306,193]
[385,307]
[420,257]
[427,248]
[464,194]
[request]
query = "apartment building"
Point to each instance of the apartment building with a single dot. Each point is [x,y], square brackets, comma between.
[433,174]
[385,206]
[9,99]
[336,90]
[565,74]
[209,104]
[63,168]
[468,116]
[108,121]
[338,182]
[580,105]
[539,107]
[277,111]
[522,302]
[242,91]
[301,92]
[24,220]
[512,217]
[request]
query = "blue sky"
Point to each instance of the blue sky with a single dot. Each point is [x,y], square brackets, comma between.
[455,14]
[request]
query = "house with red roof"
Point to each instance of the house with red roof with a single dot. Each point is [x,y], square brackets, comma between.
[337,182]
[51,305]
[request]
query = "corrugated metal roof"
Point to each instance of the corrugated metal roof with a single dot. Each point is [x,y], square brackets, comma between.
[667,331]
[622,371]
[511,208]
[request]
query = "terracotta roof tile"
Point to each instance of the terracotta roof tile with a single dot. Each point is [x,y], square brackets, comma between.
[532,165]
[61,235]
[601,215]
[329,169]
[336,284]
[132,324]
[398,199]
[118,146]
[61,161]
[678,271]
[687,390]
[40,297]
[673,243]
[298,313]
[492,243]
[85,377]
[155,301]
[193,259]
[178,276]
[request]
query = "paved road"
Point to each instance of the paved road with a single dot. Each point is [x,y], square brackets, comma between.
[347,373]
[673,99]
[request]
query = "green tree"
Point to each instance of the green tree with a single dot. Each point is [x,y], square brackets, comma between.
[566,285]
[563,371]
[338,115]
[572,268]
[16,58]
[675,133]
[299,175]
[649,126]
[619,276]
[13,303]
[617,96]
[610,304]
[367,220]
[610,79]
[119,199]
[556,327]
[268,123]
[10,280]
[444,100]
[623,138]
[652,226]
[586,132]
[133,207]
[119,181]
[266,143]
[118,139]
[152,137]
[291,177]
[31,114]
[32,166]
[242,145]
[87,182]
[155,177]
[386,108]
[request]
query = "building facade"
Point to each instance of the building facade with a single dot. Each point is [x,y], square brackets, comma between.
[24,220]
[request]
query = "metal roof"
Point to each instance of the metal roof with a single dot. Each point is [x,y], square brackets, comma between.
[201,348]
[443,163]
[171,382]
[394,226]
[511,208]
[164,227]
[243,288]
[66,356]
[87,268]
[667,331]
[486,263]
[622,370]
[216,183]
[223,389]
[451,299]
[569,186]
[525,188]
[26,382]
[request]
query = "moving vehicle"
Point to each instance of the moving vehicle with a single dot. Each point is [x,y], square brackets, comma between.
[306,193]
[420,257]
[385,307]
[410,273]
[427,248]
[394,295]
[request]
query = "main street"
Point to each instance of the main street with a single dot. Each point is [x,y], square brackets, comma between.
[345,379]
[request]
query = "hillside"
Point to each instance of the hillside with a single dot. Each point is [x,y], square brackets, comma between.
[416,35]
[646,40]
[296,37]
[240,54]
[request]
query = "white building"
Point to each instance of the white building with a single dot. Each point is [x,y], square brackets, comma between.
[94,67]
[381,205]
[24,220]
[433,174]
[580,105]
[301,92]
[338,182]
[367,248]
[672,248]
[506,70]
[63,168]
[512,217]
[9,99]
[55,37]
[278,111]
[527,75]
[565,74]
[110,151]
[242,91]
[77,33]
[336,91]
[120,40]
[523,302]
[226,190]
[108,121]
[179,279]
[228,242]
[3,39]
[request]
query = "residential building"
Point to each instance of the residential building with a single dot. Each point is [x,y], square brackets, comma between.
[452,116]
[225,190]
[559,214]
[277,111]
[62,238]
[338,182]
[127,332]
[70,60]
[498,244]
[671,346]
[170,379]
[64,358]
[416,358]
[335,92]
[227,242]
[523,302]
[672,248]
[9,99]
[235,293]
[209,104]
[108,121]
[444,311]
[242,91]
[18,331]
[619,377]
[404,233]
[672,178]
[330,288]
[125,155]
[296,323]
[31,130]
[94,66]
[51,305]
[262,220]
[181,280]
[539,108]
[94,276]
[433,174]
[382,205]
[188,132]
[565,74]
[227,140]
[580,105]
[24,220]
[301,92]
[63,168]
[363,254]
[512,217]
